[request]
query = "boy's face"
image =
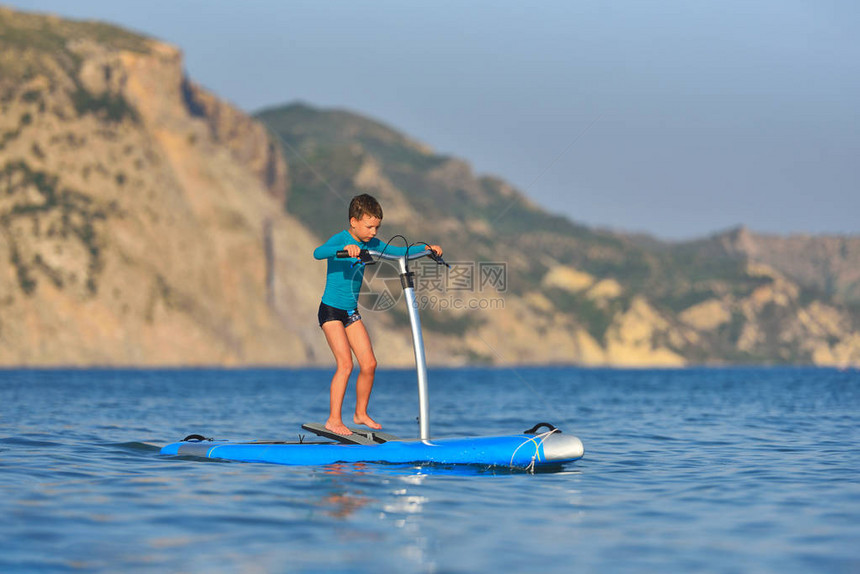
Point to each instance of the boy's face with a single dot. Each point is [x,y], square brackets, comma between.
[366,228]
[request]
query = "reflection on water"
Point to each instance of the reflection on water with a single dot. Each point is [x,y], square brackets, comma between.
[342,505]
[340,502]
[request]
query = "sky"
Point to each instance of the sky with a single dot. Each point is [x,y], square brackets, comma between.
[676,118]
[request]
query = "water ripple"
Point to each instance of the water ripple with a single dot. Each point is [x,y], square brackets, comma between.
[729,470]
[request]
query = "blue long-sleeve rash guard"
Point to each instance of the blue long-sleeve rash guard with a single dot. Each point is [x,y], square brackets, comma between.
[343,280]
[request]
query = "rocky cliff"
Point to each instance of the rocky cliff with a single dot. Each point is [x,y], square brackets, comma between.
[136,210]
[144,221]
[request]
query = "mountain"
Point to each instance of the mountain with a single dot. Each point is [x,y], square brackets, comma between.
[576,294]
[144,221]
[141,218]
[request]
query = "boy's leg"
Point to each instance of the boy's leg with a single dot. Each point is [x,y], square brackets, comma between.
[337,340]
[359,340]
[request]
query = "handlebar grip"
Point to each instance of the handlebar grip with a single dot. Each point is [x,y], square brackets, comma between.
[438,259]
[363,256]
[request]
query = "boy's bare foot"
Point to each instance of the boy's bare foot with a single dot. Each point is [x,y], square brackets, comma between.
[338,428]
[367,421]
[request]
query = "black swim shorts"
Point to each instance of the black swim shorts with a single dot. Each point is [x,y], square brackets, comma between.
[328,313]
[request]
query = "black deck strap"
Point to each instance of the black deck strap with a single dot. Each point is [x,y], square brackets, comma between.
[534,429]
[196,438]
[354,438]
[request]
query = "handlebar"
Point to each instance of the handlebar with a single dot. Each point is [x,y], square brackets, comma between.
[366,255]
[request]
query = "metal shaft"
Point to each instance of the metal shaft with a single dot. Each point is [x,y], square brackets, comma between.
[418,348]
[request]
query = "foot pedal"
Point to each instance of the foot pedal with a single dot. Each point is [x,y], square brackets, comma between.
[354,438]
[375,435]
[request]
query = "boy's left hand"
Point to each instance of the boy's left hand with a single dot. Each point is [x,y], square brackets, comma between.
[435,249]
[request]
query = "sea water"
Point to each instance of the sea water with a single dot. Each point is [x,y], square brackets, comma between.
[703,470]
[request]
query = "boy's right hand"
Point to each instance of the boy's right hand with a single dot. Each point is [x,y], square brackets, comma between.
[352,250]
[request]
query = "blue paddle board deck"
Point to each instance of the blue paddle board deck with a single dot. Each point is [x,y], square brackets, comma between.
[517,451]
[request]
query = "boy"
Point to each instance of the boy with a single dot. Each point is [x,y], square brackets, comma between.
[338,314]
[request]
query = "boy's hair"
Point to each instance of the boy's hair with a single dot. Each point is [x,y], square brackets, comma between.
[364,204]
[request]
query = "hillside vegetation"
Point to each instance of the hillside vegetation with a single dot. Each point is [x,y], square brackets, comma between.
[576,293]
[144,221]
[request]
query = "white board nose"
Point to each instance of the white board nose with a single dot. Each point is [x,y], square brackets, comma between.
[562,447]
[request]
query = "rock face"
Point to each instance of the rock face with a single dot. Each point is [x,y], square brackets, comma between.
[135,210]
[144,221]
[829,265]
